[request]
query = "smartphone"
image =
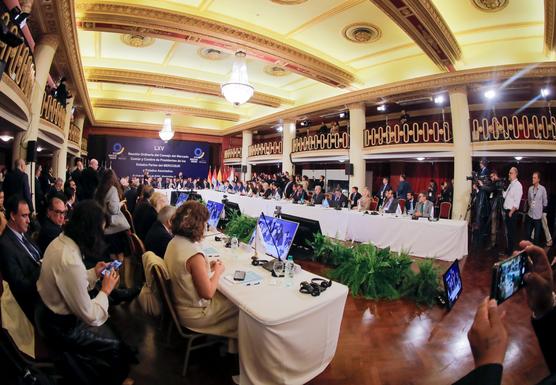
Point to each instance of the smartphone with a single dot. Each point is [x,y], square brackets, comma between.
[112,265]
[239,275]
[507,277]
[453,285]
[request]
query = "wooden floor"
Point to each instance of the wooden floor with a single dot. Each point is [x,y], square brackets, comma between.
[380,342]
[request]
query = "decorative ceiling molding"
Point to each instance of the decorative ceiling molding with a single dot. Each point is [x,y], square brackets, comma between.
[423,23]
[136,40]
[164,24]
[153,127]
[490,5]
[550,25]
[362,33]
[178,83]
[434,83]
[163,107]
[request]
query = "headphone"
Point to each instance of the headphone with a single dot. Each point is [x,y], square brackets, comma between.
[315,287]
[258,262]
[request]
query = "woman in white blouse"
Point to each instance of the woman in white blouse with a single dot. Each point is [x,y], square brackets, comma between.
[73,323]
[109,196]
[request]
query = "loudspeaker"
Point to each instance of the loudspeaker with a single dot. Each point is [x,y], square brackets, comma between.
[244,169]
[349,168]
[31,151]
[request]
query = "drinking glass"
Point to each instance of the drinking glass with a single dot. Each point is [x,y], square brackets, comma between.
[279,268]
[234,243]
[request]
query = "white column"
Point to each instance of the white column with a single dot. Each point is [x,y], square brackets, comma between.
[247,140]
[61,162]
[288,135]
[357,125]
[462,150]
[80,122]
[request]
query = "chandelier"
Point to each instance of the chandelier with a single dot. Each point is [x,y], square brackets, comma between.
[166,133]
[238,90]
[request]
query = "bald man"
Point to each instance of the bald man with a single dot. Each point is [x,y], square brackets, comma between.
[512,200]
[17,183]
[89,180]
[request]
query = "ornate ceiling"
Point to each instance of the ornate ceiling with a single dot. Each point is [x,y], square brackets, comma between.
[139,59]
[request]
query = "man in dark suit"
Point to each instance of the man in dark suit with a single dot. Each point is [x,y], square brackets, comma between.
[159,234]
[17,183]
[40,198]
[483,168]
[300,194]
[76,176]
[390,202]
[89,180]
[410,203]
[289,189]
[318,196]
[354,196]
[20,258]
[403,188]
[144,214]
[339,199]
[52,225]
[131,194]
[382,191]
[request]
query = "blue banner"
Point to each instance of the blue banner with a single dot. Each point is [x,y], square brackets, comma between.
[131,156]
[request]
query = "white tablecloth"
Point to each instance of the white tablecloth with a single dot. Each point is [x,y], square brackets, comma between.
[445,239]
[285,337]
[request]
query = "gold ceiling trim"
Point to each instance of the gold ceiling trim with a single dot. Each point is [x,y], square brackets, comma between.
[163,107]
[164,24]
[362,33]
[424,24]
[275,70]
[137,40]
[438,82]
[154,127]
[289,2]
[490,5]
[549,25]
[178,83]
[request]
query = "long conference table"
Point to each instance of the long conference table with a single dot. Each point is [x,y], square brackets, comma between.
[445,239]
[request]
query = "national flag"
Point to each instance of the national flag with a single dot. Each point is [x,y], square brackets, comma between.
[209,177]
[213,180]
[219,175]
[232,175]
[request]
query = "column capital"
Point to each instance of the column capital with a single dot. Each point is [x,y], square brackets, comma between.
[360,105]
[50,40]
[288,121]
[460,89]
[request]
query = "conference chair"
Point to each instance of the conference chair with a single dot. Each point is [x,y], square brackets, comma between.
[401,203]
[165,289]
[374,205]
[445,210]
[128,217]
[133,271]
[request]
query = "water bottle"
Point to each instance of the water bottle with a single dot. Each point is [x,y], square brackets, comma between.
[234,243]
[290,270]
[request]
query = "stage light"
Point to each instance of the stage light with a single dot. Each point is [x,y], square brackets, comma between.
[381,108]
[518,158]
[490,94]
[420,159]
[279,128]
[439,99]
[6,138]
[545,92]
[342,114]
[39,149]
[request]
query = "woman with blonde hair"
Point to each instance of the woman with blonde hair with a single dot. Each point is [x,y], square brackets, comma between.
[364,203]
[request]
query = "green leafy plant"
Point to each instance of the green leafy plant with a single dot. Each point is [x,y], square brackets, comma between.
[241,226]
[424,286]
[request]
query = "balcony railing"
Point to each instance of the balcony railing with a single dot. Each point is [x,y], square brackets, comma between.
[416,132]
[232,153]
[268,148]
[20,63]
[53,111]
[522,127]
[84,145]
[336,141]
[74,133]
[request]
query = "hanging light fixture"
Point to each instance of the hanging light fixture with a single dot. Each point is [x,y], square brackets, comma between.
[238,90]
[166,133]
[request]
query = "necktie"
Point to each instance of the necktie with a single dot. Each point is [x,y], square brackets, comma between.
[32,250]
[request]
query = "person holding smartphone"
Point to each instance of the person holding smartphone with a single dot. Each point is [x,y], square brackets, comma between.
[71,322]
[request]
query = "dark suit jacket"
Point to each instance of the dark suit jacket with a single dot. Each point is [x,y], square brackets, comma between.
[131,199]
[299,195]
[546,335]
[393,206]
[410,205]
[288,190]
[144,216]
[490,374]
[354,197]
[403,188]
[17,182]
[20,271]
[49,231]
[89,183]
[318,198]
[157,239]
[381,191]
[40,198]
[341,202]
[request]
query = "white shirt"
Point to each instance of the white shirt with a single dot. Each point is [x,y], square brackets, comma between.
[64,283]
[512,196]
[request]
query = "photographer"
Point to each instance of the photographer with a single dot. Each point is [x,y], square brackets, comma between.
[494,188]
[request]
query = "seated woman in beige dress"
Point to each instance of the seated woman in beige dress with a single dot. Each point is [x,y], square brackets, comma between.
[194,280]
[364,203]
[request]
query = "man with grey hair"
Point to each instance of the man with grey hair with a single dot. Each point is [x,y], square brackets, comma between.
[160,234]
[512,200]
[318,195]
[89,180]
[17,183]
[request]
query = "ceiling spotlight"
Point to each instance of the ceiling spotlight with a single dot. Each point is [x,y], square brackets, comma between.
[490,94]
[342,114]
[304,123]
[420,159]
[439,99]
[518,158]
[381,108]
[6,138]
[39,149]
[279,128]
[545,92]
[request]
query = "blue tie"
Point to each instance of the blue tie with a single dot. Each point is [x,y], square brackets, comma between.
[32,250]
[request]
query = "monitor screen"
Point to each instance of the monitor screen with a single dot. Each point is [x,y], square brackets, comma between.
[452,284]
[215,210]
[182,198]
[277,235]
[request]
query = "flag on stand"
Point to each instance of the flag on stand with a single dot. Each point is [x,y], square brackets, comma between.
[231,175]
[213,180]
[209,177]
[219,175]
[224,173]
